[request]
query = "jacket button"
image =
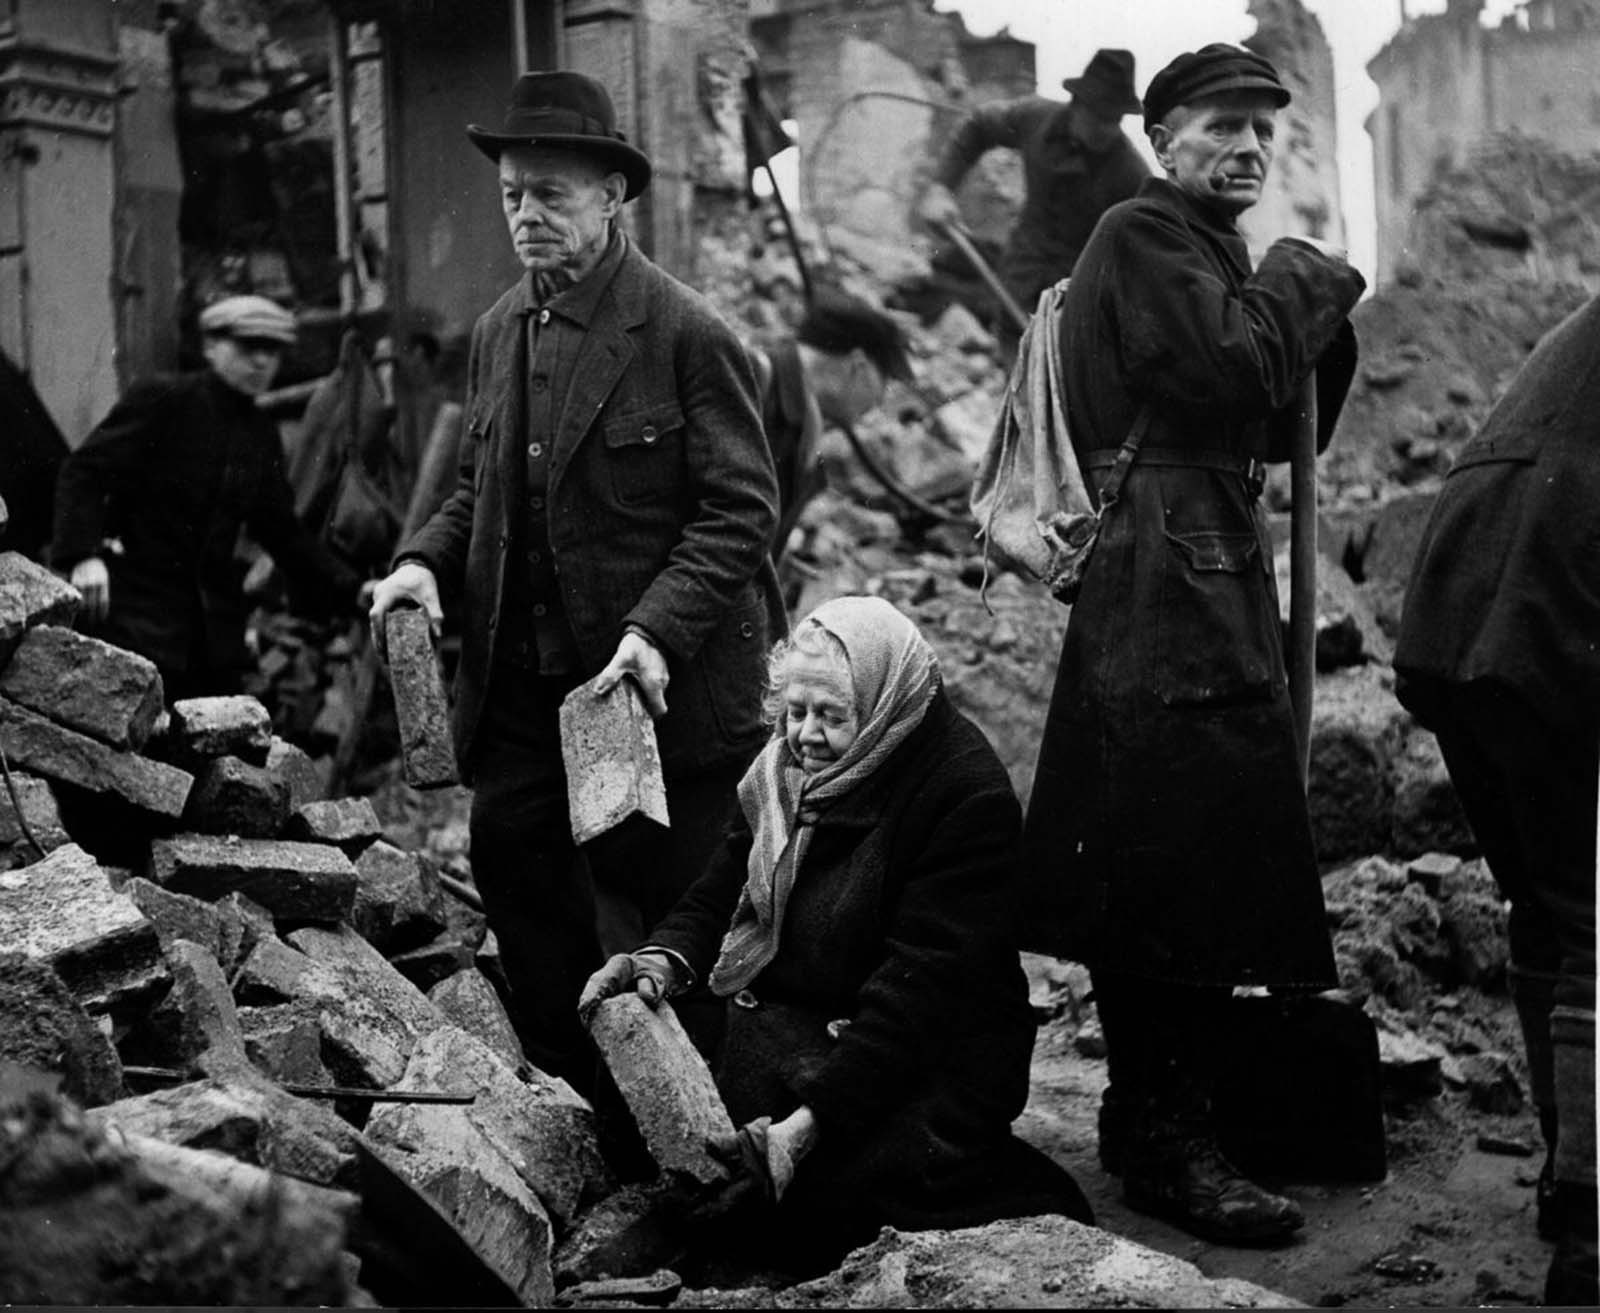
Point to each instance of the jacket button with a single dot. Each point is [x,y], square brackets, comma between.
[745,999]
[649,434]
[504,539]
[747,630]
[544,316]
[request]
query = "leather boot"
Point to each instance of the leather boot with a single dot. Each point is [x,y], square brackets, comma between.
[1572,1277]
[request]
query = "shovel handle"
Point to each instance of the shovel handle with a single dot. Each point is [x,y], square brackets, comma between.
[1303,568]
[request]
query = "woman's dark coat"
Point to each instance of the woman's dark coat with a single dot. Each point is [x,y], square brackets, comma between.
[901,929]
[1168,832]
[179,464]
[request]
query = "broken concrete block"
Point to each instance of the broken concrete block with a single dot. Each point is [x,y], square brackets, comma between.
[177,916]
[1492,1084]
[470,1002]
[613,762]
[293,881]
[545,1130]
[40,814]
[1357,725]
[244,924]
[666,1084]
[349,823]
[1475,921]
[399,903]
[45,748]
[196,1026]
[106,692]
[275,972]
[427,750]
[249,1118]
[295,767]
[434,962]
[64,911]
[1410,1065]
[231,726]
[1431,870]
[635,1230]
[30,595]
[284,1041]
[43,1026]
[231,796]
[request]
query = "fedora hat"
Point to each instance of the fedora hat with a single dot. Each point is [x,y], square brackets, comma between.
[1107,84]
[569,111]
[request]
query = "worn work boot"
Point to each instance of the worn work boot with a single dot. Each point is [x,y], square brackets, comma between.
[1572,1277]
[1201,1191]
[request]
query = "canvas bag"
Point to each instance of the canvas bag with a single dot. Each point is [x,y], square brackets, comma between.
[1028,496]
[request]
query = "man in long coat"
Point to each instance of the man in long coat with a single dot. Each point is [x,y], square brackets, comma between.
[1499,655]
[613,518]
[1171,844]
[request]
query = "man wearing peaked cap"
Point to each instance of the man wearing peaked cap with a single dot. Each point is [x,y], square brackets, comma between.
[1076,164]
[149,508]
[1176,859]
[612,521]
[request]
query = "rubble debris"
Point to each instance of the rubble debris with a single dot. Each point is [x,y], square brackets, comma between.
[613,763]
[230,796]
[44,1027]
[177,916]
[348,823]
[230,726]
[40,818]
[434,962]
[399,904]
[666,1083]
[45,748]
[426,746]
[654,1290]
[1431,870]
[1411,1066]
[64,911]
[294,764]
[631,1232]
[284,1041]
[294,881]
[1427,811]
[1356,727]
[30,595]
[245,923]
[1492,1084]
[469,1001]
[196,1026]
[106,692]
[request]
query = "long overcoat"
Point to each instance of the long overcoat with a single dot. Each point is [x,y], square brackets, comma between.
[172,472]
[661,507]
[1167,829]
[901,931]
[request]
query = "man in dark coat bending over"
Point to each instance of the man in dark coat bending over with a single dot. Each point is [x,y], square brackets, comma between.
[613,518]
[1171,842]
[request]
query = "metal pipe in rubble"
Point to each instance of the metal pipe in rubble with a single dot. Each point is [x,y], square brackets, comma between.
[1303,568]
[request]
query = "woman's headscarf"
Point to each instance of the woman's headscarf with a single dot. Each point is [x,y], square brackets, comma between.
[895,675]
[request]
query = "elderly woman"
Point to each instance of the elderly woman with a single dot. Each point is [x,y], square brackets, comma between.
[859,923]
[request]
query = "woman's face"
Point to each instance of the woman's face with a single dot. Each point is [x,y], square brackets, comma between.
[819,710]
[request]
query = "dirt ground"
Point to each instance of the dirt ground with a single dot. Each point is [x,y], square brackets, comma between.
[1450,1225]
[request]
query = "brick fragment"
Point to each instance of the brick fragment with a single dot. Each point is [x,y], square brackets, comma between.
[294,765]
[58,753]
[399,901]
[245,923]
[39,811]
[177,916]
[666,1084]
[231,726]
[426,748]
[469,1000]
[196,1026]
[285,1042]
[434,962]
[42,1025]
[293,881]
[106,692]
[613,761]
[30,595]
[230,796]
[350,823]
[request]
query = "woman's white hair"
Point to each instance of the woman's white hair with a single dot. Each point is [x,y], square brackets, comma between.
[810,639]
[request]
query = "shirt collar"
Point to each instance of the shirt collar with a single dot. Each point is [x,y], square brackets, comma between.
[577,301]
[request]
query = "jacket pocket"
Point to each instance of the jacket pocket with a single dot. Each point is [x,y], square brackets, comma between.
[1216,633]
[644,449]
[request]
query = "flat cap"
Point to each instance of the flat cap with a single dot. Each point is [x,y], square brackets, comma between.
[1210,71]
[837,322]
[249,316]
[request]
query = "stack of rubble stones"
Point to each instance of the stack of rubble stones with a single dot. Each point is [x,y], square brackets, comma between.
[263,937]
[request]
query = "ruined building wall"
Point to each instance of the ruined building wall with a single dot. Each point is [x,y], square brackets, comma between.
[1446,83]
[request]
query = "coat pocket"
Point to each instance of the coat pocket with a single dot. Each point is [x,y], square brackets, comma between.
[645,452]
[1217,638]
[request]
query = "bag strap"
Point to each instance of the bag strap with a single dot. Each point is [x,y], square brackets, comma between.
[1112,488]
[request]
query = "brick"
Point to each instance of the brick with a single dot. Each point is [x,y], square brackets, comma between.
[232,726]
[349,823]
[612,759]
[42,1025]
[639,1228]
[45,748]
[196,1026]
[295,767]
[434,962]
[231,796]
[30,595]
[276,973]
[1431,870]
[177,916]
[470,1002]
[64,911]
[284,1041]
[39,811]
[245,923]
[666,1084]
[399,902]
[106,692]
[293,881]
[427,749]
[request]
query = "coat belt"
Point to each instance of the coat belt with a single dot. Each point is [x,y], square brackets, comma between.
[1248,468]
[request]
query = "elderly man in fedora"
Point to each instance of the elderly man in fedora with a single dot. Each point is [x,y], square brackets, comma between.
[148,509]
[1172,848]
[613,518]
[1076,163]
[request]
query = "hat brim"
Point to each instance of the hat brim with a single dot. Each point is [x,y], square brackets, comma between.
[1224,83]
[1097,97]
[632,163]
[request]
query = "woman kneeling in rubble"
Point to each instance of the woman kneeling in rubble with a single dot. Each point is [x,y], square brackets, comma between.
[878,1028]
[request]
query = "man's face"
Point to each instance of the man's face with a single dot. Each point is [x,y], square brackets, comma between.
[1218,149]
[1095,130]
[246,364]
[558,206]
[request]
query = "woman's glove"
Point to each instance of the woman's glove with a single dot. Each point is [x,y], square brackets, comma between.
[764,1154]
[651,975]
